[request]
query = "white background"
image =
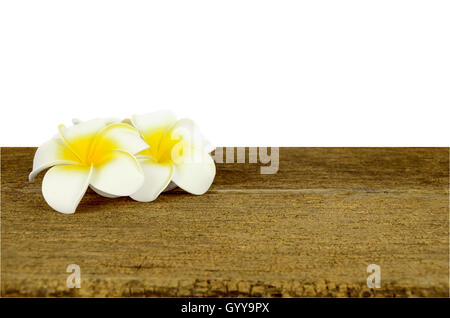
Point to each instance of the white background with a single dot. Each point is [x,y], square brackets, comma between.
[251,73]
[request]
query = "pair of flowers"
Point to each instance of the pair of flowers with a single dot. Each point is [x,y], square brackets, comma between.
[138,157]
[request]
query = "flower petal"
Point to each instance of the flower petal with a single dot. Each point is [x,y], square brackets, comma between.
[120,174]
[152,126]
[157,177]
[118,136]
[83,128]
[64,186]
[194,171]
[186,130]
[51,153]
[79,137]
[103,194]
[150,121]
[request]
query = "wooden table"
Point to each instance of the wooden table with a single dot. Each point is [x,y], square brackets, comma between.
[309,230]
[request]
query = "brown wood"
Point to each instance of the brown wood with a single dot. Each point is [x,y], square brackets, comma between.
[309,230]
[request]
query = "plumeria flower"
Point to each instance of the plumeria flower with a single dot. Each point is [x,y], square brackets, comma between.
[178,155]
[98,153]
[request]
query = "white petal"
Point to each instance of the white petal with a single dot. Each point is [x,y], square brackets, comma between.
[107,121]
[64,186]
[186,130]
[83,128]
[157,177]
[119,175]
[152,121]
[209,147]
[51,153]
[79,137]
[195,172]
[103,194]
[119,136]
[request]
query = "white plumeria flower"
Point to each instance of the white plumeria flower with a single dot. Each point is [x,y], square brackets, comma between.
[178,154]
[99,153]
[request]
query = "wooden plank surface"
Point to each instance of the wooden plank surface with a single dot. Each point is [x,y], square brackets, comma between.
[309,230]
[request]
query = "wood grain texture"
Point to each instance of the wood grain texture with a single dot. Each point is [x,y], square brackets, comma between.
[309,230]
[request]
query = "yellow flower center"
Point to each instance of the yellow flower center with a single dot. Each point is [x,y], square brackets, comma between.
[163,146]
[90,149]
